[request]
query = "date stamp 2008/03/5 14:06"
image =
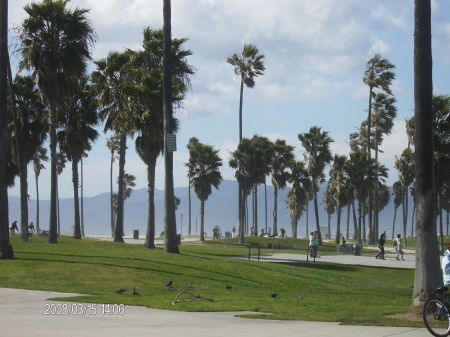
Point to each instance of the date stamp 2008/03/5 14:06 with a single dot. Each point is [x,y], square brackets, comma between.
[87,309]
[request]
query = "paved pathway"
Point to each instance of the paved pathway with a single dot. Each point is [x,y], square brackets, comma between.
[22,314]
[390,260]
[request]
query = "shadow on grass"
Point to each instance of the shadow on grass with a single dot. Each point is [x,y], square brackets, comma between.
[209,271]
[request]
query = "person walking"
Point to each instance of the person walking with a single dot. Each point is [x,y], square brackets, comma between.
[445,265]
[399,248]
[30,229]
[381,243]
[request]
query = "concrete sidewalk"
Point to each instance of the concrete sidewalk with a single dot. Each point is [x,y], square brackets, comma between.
[390,261]
[22,314]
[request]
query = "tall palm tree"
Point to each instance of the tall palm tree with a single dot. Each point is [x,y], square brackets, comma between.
[113,144]
[28,132]
[282,156]
[39,156]
[247,66]
[298,196]
[115,95]
[55,45]
[398,200]
[6,250]
[338,188]
[406,169]
[427,273]
[192,142]
[329,204]
[77,136]
[128,183]
[150,142]
[170,223]
[377,76]
[203,167]
[317,155]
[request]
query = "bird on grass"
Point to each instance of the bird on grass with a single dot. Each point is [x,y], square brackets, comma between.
[169,285]
[135,292]
[274,295]
[228,287]
[120,290]
[189,285]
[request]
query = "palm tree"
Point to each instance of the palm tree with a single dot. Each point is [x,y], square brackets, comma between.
[150,143]
[298,197]
[282,156]
[427,274]
[192,142]
[61,160]
[337,186]
[55,44]
[398,200]
[203,167]
[115,90]
[6,250]
[317,155]
[170,222]
[113,144]
[28,134]
[39,156]
[247,66]
[405,166]
[330,207]
[128,183]
[77,135]
[378,75]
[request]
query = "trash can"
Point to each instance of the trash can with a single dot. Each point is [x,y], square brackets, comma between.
[357,249]
[136,234]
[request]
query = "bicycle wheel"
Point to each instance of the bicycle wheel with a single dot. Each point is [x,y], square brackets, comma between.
[436,317]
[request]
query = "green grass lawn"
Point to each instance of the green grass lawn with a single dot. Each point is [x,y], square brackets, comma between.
[350,294]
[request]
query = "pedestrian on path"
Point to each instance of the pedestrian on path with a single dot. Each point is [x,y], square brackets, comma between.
[399,248]
[445,265]
[381,243]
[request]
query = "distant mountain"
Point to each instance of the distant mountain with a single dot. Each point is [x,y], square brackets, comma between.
[220,209]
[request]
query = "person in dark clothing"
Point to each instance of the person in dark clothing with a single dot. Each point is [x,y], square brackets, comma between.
[381,243]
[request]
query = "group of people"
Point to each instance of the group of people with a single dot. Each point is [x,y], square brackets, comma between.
[13,228]
[217,233]
[398,245]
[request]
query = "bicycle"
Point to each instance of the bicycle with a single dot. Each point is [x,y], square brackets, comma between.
[436,313]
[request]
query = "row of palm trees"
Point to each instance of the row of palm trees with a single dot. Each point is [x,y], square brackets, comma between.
[53,95]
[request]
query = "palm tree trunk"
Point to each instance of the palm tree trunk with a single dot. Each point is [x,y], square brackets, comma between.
[202,220]
[441,228]
[393,222]
[82,199]
[255,221]
[348,221]
[316,212]
[241,213]
[413,218]
[265,205]
[307,219]
[150,237]
[360,215]
[427,273]
[355,222]
[170,222]
[189,201]
[447,221]
[58,217]
[275,206]
[53,229]
[38,230]
[77,228]
[118,233]
[364,224]
[406,216]
[370,205]
[329,226]
[338,227]
[6,250]
[111,193]
[23,201]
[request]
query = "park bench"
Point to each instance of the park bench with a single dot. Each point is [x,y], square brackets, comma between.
[44,234]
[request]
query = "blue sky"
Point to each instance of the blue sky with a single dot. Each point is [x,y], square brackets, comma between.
[316,51]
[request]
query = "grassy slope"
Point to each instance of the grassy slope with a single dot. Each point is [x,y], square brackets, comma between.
[351,294]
